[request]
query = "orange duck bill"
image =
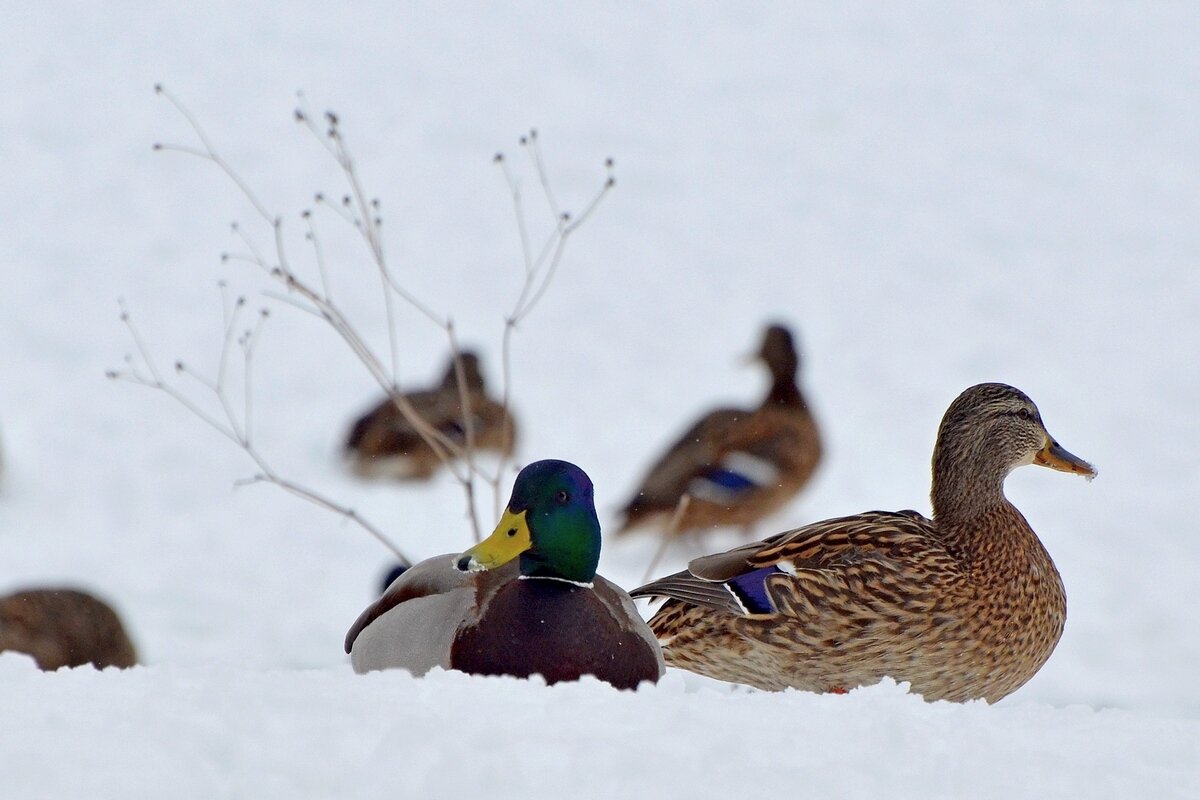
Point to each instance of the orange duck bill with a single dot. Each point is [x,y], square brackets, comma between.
[1056,457]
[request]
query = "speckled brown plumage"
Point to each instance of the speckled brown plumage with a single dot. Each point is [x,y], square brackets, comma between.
[64,628]
[382,443]
[965,605]
[776,447]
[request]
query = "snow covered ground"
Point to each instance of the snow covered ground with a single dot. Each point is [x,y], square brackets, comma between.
[934,195]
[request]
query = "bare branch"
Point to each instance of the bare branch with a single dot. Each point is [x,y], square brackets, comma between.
[536,282]
[318,254]
[337,208]
[357,209]
[522,230]
[155,380]
[539,167]
[324,502]
[324,307]
[361,214]
[248,342]
[238,431]
[208,153]
[468,417]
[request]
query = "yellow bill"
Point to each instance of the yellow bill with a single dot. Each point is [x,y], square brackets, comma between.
[509,540]
[1055,457]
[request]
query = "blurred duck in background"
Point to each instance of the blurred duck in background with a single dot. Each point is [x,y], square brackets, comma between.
[384,444]
[64,628]
[735,466]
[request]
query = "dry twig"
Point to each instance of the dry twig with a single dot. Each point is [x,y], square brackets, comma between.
[237,429]
[361,212]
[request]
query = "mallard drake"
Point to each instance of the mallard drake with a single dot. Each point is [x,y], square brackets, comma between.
[736,466]
[64,628]
[383,444]
[525,600]
[965,605]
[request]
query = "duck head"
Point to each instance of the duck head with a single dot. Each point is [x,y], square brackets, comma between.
[472,374]
[778,352]
[550,524]
[988,431]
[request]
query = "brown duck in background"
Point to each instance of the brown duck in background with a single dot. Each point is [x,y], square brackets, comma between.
[64,628]
[736,466]
[965,605]
[383,444]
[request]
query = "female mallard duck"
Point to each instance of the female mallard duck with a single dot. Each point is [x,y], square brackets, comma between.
[525,600]
[383,444]
[64,628]
[735,466]
[965,605]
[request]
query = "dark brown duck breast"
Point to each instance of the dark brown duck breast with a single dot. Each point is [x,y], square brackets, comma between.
[558,630]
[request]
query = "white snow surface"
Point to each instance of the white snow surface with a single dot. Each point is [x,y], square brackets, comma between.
[934,194]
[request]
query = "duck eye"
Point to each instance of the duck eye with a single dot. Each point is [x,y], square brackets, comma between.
[562,496]
[1024,414]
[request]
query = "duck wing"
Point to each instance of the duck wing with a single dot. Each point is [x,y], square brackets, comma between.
[432,576]
[699,451]
[796,569]
[415,624]
[620,606]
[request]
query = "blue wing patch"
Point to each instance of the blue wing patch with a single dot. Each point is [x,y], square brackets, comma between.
[728,479]
[751,589]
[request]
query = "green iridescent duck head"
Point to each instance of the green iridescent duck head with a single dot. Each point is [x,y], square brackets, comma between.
[550,523]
